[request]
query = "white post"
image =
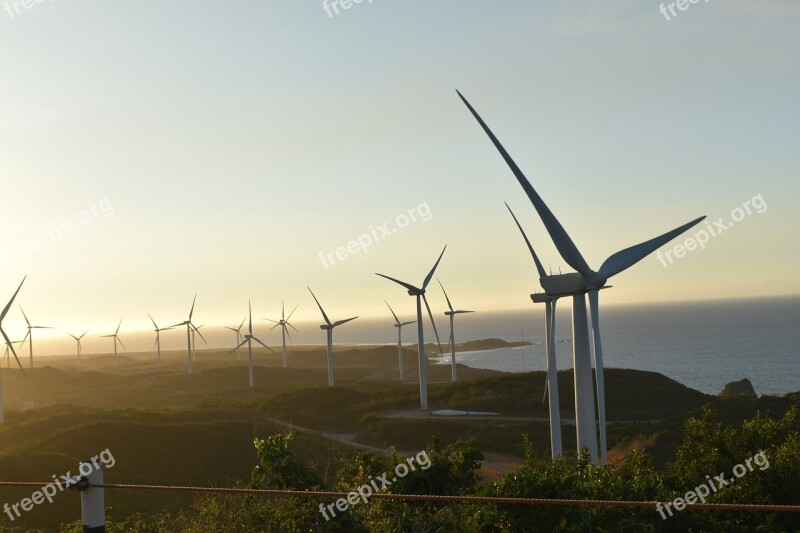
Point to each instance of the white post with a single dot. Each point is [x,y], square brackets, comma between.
[93,505]
[400,352]
[552,380]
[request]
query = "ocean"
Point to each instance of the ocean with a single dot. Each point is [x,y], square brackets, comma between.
[703,345]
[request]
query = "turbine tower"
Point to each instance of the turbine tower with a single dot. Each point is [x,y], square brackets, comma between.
[78,342]
[8,343]
[551,366]
[328,328]
[419,293]
[399,325]
[578,285]
[238,332]
[30,334]
[452,313]
[189,326]
[283,323]
[116,338]
[158,331]
[248,339]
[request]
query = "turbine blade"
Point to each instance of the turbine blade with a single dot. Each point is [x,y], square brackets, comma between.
[340,322]
[154,344]
[430,274]
[275,326]
[242,324]
[11,346]
[630,256]
[539,267]
[192,309]
[11,301]
[84,333]
[433,323]
[291,326]
[269,320]
[25,316]
[569,252]
[397,320]
[264,345]
[290,314]
[122,344]
[197,330]
[290,336]
[327,321]
[460,312]
[283,310]
[408,323]
[445,294]
[250,314]
[403,283]
[153,321]
[118,326]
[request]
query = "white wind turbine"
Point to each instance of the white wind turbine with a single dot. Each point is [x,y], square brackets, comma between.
[578,285]
[196,329]
[419,293]
[189,326]
[248,339]
[238,332]
[399,325]
[30,334]
[283,323]
[328,328]
[158,331]
[78,342]
[6,353]
[116,338]
[452,313]
[8,343]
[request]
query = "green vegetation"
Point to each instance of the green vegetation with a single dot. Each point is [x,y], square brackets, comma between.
[166,427]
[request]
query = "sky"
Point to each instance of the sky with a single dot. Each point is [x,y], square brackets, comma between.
[153,150]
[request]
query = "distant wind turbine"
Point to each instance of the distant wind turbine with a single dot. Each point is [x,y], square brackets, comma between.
[452,313]
[248,339]
[78,342]
[283,323]
[29,335]
[399,325]
[189,326]
[6,353]
[8,343]
[419,293]
[158,331]
[238,332]
[328,328]
[116,338]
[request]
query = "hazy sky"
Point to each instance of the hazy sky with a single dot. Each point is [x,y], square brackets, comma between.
[160,149]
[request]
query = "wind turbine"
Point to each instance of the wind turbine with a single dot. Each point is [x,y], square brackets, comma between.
[551,366]
[399,325]
[116,338]
[6,355]
[283,322]
[452,313]
[189,326]
[30,334]
[158,337]
[238,332]
[248,339]
[328,328]
[419,293]
[578,285]
[8,342]
[78,341]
